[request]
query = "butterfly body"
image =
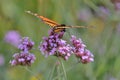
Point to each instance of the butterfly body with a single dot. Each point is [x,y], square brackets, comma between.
[59,28]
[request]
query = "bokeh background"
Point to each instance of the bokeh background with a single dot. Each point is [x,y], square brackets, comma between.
[103,40]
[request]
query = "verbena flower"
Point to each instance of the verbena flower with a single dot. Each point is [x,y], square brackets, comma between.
[26,44]
[23,58]
[64,51]
[80,51]
[87,57]
[78,44]
[50,44]
[54,45]
[12,37]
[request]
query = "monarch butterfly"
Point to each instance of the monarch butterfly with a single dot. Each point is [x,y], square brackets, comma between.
[56,27]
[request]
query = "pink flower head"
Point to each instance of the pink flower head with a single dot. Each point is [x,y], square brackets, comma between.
[80,51]
[65,51]
[23,58]
[26,44]
[87,57]
[54,45]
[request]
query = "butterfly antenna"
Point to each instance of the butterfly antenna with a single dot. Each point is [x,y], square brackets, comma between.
[34,14]
[82,26]
[75,27]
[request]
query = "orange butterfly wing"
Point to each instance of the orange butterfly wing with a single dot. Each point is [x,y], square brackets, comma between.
[51,23]
[48,21]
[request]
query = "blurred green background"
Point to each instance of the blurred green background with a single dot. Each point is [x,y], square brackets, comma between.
[103,40]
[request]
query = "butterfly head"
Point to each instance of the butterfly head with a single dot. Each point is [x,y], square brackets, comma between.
[62,25]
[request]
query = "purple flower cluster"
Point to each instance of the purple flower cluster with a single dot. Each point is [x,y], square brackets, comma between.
[54,45]
[79,49]
[50,44]
[24,58]
[64,50]
[25,44]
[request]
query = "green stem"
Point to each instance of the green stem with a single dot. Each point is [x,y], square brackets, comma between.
[58,72]
[63,68]
[51,73]
[74,65]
